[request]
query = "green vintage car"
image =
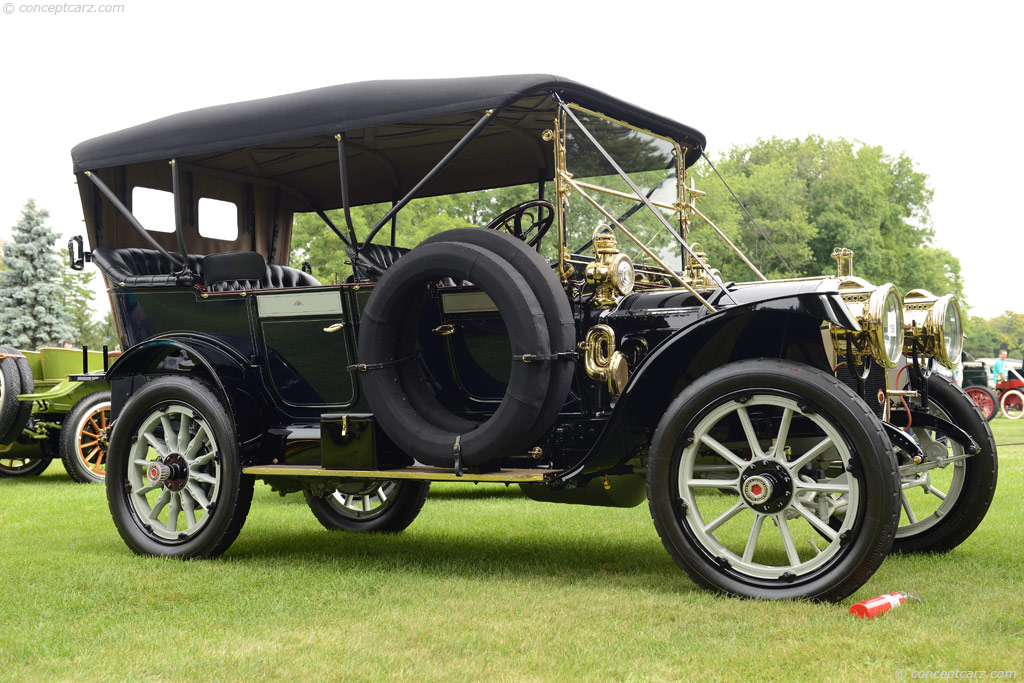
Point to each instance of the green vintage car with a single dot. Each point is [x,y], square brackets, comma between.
[48,411]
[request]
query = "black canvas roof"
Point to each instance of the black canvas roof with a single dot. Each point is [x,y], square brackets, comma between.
[343,108]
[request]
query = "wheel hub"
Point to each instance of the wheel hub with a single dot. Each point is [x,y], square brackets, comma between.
[766,486]
[172,472]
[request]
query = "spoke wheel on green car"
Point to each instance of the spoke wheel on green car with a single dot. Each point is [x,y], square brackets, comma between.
[84,437]
[22,467]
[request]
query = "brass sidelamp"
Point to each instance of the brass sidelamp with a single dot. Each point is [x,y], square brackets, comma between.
[611,273]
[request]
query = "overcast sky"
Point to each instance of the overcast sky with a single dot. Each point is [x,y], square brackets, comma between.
[938,81]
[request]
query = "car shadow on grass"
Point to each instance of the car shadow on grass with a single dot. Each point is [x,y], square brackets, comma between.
[506,555]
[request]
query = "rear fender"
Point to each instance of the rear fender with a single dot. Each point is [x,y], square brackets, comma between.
[221,369]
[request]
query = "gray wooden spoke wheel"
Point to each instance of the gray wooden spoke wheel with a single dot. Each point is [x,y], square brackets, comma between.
[174,481]
[796,448]
[370,505]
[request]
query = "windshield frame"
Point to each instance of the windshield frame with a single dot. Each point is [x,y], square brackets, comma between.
[566,185]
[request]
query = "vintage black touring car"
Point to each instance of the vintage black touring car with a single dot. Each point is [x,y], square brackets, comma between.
[576,344]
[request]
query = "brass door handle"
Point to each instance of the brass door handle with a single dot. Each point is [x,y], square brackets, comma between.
[334,328]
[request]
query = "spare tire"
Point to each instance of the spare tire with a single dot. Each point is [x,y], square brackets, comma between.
[16,379]
[553,301]
[398,396]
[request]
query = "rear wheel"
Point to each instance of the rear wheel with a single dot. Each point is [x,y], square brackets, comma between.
[174,481]
[800,450]
[985,399]
[84,436]
[382,506]
[1012,404]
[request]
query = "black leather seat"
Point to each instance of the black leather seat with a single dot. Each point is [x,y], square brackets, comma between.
[385,256]
[382,255]
[149,268]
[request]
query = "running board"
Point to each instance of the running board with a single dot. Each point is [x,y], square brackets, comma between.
[505,476]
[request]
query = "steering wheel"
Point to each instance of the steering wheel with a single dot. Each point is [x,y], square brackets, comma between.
[540,213]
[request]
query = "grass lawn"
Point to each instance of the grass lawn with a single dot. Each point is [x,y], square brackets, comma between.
[485,584]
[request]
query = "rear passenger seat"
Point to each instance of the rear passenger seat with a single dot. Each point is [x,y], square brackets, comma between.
[149,268]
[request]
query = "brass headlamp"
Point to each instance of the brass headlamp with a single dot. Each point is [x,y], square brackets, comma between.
[935,324]
[611,273]
[878,311]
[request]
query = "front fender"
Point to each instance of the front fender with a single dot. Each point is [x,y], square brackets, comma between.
[786,328]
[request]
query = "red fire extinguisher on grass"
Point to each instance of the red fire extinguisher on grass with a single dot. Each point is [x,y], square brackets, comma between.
[869,609]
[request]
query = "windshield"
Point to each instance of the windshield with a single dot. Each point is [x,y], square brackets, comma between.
[651,163]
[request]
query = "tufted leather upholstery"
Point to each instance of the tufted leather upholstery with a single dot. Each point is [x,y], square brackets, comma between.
[149,268]
[381,254]
[385,256]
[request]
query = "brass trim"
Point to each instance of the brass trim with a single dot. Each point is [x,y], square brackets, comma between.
[572,183]
[625,195]
[511,476]
[924,317]
[603,362]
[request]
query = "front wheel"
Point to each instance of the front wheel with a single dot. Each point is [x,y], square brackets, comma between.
[174,481]
[947,495]
[797,449]
[381,506]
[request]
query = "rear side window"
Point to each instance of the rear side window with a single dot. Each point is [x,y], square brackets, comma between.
[218,219]
[154,209]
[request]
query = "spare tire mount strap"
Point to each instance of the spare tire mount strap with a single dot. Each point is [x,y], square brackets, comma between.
[538,357]
[457,452]
[366,367]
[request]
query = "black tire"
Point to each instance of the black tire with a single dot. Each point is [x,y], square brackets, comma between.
[229,496]
[860,459]
[972,482]
[342,510]
[985,400]
[553,301]
[84,434]
[401,401]
[15,378]
[11,468]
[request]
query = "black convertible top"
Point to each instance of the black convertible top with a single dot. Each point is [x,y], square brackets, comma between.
[343,108]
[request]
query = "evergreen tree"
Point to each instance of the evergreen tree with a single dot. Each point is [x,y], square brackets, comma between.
[31,310]
[77,299]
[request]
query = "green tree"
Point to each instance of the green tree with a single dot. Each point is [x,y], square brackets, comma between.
[31,310]
[812,195]
[77,299]
[314,241]
[986,336]
[100,333]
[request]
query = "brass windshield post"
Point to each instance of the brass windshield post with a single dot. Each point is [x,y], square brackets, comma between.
[562,192]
